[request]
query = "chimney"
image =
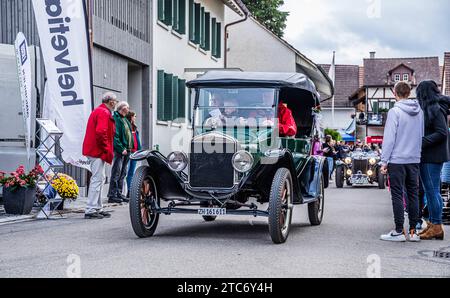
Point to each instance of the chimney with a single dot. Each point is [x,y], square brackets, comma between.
[372,55]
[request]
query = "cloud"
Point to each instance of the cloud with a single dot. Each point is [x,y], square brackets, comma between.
[353,28]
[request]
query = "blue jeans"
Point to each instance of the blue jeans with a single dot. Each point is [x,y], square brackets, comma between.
[431,181]
[131,170]
[330,166]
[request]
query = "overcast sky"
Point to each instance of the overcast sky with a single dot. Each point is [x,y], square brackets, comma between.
[353,28]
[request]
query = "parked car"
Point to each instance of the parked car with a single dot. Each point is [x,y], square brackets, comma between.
[360,168]
[236,158]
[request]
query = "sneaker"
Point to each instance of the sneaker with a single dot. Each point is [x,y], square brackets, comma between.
[105,214]
[126,200]
[414,236]
[93,216]
[394,237]
[115,201]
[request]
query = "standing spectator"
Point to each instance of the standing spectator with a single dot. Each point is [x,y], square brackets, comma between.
[435,153]
[401,158]
[329,152]
[98,147]
[137,146]
[123,144]
[317,146]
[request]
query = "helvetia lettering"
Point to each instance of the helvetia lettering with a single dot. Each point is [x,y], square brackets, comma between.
[59,27]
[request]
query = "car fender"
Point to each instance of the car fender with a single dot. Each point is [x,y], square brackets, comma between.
[169,183]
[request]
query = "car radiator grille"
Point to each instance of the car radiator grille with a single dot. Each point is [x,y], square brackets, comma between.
[360,165]
[211,170]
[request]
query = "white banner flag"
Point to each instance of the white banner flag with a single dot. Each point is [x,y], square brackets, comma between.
[63,32]
[25,82]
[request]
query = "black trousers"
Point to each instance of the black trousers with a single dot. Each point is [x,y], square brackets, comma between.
[404,182]
[118,174]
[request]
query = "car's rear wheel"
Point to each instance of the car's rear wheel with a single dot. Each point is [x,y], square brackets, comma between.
[143,202]
[315,209]
[381,180]
[340,178]
[280,206]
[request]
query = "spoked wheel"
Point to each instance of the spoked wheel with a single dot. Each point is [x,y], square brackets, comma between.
[280,206]
[143,202]
[315,209]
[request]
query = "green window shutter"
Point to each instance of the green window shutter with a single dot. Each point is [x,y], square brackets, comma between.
[190,107]
[168,12]
[197,23]
[202,28]
[375,107]
[207,31]
[214,36]
[168,97]
[160,96]
[182,99]
[181,16]
[191,20]
[175,98]
[218,41]
[175,15]
[161,10]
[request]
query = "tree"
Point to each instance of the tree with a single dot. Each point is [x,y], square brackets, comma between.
[267,12]
[334,134]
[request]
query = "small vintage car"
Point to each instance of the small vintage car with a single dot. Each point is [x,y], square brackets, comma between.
[237,162]
[360,168]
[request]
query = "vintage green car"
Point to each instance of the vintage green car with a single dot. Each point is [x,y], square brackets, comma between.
[238,164]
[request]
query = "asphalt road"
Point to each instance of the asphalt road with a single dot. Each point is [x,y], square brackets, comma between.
[345,245]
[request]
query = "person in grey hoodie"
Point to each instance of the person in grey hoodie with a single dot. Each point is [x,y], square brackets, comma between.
[402,150]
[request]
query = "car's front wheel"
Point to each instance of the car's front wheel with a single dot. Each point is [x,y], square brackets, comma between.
[280,206]
[315,209]
[340,176]
[143,202]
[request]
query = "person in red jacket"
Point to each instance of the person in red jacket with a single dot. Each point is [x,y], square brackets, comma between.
[286,122]
[98,148]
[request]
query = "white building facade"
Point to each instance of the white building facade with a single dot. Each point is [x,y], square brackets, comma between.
[188,40]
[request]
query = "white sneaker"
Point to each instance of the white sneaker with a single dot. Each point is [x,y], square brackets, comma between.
[394,237]
[414,237]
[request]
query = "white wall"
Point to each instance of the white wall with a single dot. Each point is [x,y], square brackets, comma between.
[252,48]
[343,118]
[173,54]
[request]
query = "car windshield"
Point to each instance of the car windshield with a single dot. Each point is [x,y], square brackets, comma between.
[236,107]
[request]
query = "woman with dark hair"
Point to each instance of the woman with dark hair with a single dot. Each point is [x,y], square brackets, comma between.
[329,151]
[137,146]
[435,152]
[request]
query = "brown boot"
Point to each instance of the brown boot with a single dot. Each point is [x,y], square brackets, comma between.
[435,232]
[429,225]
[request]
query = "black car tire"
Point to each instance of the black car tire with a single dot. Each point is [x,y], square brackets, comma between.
[340,176]
[381,180]
[144,219]
[315,209]
[280,206]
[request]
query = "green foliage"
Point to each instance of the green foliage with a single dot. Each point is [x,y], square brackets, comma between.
[334,133]
[268,13]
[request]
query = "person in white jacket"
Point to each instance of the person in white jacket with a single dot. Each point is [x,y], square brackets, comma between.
[401,156]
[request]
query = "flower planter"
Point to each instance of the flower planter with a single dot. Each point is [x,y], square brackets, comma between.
[19,202]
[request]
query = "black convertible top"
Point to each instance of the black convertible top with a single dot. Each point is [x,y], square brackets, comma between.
[257,79]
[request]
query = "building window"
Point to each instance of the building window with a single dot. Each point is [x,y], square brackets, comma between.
[173,13]
[405,77]
[200,27]
[216,29]
[171,97]
[397,77]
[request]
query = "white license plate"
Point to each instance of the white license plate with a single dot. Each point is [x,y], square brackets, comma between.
[359,180]
[212,211]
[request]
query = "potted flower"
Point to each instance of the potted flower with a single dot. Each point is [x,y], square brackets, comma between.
[66,186]
[19,190]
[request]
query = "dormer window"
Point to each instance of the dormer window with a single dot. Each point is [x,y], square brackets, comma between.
[397,77]
[405,77]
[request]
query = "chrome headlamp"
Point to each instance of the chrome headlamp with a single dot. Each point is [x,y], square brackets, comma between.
[372,161]
[177,161]
[348,161]
[243,161]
